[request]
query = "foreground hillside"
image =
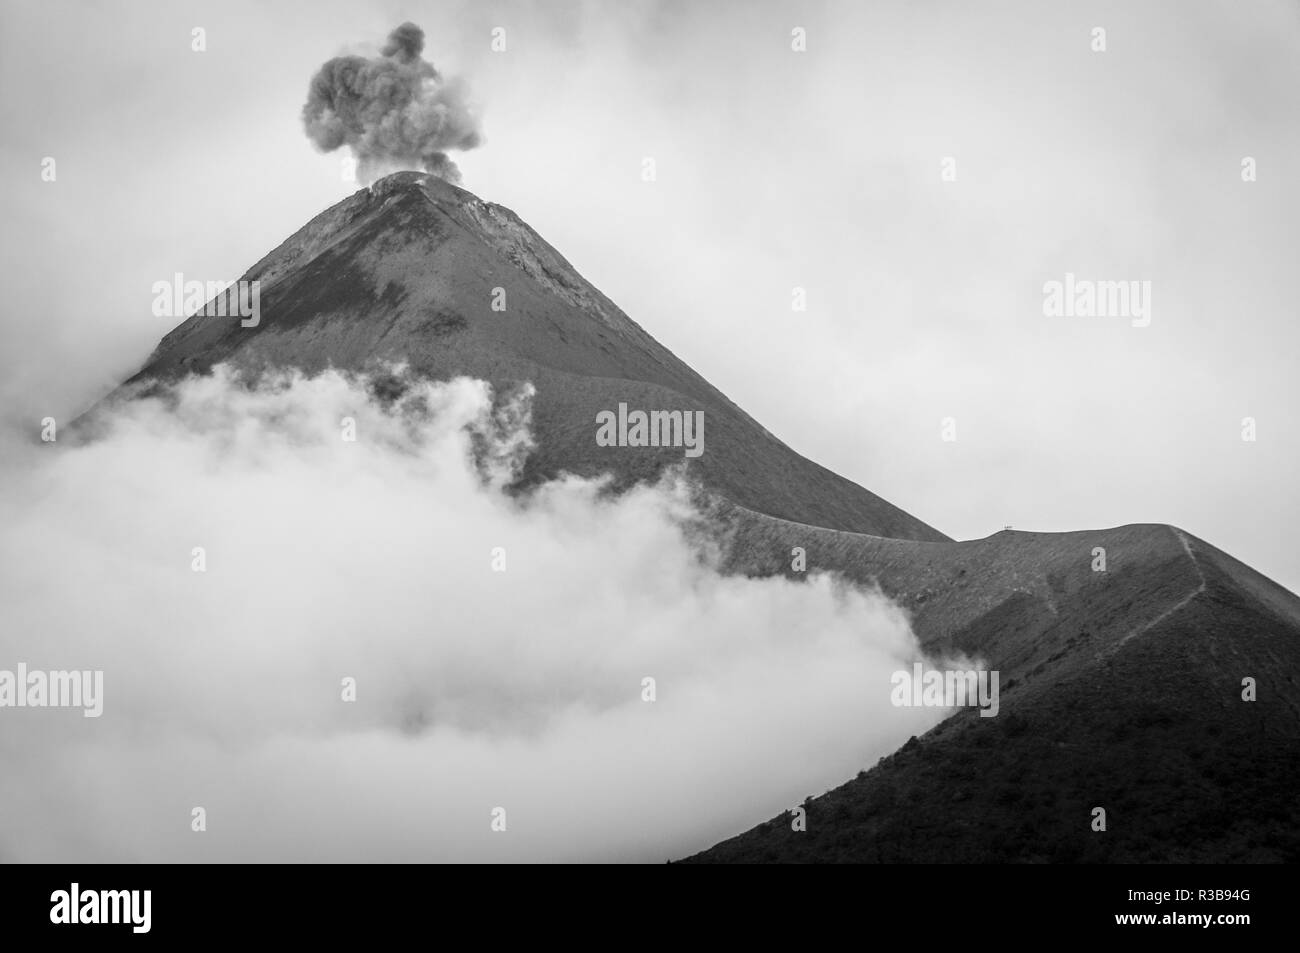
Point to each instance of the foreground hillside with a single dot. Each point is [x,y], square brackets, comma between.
[1120,689]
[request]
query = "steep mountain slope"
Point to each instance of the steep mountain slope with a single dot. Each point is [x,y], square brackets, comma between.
[1120,689]
[406,271]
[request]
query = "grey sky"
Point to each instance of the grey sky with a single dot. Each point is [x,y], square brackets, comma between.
[775,169]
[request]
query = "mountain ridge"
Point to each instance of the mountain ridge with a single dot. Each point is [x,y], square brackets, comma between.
[1121,688]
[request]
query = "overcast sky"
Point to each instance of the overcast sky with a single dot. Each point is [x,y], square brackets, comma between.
[776,169]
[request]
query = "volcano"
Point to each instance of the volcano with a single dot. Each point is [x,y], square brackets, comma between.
[409,271]
[1161,688]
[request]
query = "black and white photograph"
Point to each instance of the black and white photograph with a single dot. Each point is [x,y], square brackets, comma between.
[630,432]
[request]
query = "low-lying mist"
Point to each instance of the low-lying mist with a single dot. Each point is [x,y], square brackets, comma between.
[499,644]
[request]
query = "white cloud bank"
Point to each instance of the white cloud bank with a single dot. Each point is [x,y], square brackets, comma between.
[476,689]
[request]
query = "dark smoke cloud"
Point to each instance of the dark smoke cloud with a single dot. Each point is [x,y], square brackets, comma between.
[394,111]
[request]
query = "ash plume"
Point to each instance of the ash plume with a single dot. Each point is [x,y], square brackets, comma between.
[394,111]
